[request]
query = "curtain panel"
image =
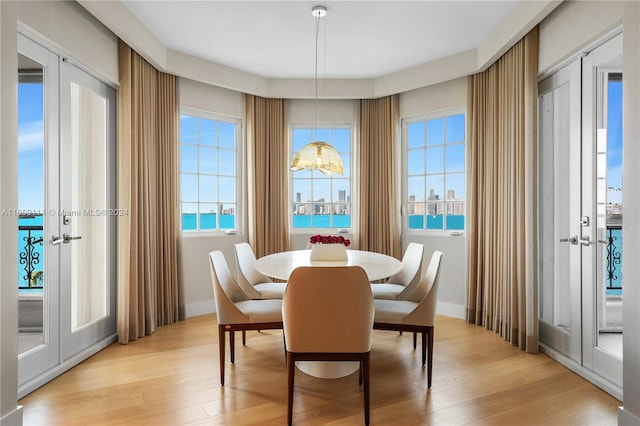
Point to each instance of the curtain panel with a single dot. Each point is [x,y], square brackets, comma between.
[378,204]
[268,212]
[148,238]
[502,192]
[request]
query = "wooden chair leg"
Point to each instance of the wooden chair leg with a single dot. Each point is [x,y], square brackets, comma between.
[232,346]
[222,354]
[244,337]
[360,374]
[430,330]
[365,374]
[415,338]
[290,379]
[424,347]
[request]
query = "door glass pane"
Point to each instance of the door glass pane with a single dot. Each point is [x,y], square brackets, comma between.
[609,222]
[89,213]
[31,259]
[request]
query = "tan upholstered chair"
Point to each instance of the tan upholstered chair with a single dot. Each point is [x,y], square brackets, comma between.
[402,284]
[328,316]
[235,311]
[417,315]
[252,282]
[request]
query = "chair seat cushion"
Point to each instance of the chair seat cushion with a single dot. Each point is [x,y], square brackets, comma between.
[386,291]
[271,290]
[261,310]
[392,311]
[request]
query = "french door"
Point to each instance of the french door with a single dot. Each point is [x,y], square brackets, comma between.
[78,185]
[580,186]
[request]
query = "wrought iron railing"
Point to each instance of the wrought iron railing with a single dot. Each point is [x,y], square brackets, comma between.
[613,273]
[29,257]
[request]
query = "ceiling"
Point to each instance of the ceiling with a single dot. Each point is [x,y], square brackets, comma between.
[357,39]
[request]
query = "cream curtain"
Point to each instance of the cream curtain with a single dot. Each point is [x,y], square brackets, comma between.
[502,196]
[148,237]
[267,175]
[379,211]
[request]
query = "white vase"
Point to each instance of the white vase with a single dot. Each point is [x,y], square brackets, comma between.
[334,252]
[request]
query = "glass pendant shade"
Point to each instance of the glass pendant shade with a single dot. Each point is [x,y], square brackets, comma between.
[318,156]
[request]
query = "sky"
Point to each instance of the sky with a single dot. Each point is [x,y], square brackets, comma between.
[30,146]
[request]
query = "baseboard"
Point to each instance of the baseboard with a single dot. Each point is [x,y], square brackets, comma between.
[625,418]
[14,418]
[199,308]
[451,310]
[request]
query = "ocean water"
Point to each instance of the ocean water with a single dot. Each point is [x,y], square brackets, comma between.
[454,222]
[38,249]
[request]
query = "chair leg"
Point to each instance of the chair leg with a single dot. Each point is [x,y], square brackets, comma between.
[360,374]
[365,374]
[424,346]
[222,354]
[290,379]
[244,337]
[232,346]
[430,330]
[415,338]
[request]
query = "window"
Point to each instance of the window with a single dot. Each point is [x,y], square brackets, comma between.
[209,153]
[321,201]
[434,171]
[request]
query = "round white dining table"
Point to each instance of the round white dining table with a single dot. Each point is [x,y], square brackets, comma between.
[280,265]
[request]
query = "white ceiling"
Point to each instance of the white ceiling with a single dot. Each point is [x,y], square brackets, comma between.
[364,39]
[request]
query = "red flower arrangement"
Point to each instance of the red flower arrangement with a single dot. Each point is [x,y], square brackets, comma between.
[329,239]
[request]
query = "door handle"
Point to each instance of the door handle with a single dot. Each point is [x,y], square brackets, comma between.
[66,238]
[573,240]
[586,241]
[55,240]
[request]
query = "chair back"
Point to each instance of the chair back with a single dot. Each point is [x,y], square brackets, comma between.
[410,273]
[426,295]
[328,309]
[248,276]
[225,291]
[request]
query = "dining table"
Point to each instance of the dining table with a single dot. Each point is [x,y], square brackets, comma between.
[377,266]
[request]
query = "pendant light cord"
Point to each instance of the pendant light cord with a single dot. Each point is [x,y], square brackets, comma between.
[316,72]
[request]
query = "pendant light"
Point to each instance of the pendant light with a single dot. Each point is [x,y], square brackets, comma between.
[318,155]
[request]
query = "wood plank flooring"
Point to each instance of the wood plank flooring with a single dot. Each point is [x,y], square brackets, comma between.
[172,378]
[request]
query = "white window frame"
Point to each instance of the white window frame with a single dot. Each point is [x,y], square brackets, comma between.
[350,163]
[405,176]
[239,154]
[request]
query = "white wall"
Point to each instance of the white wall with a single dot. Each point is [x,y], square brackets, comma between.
[196,293]
[572,28]
[73,32]
[630,414]
[9,412]
[452,289]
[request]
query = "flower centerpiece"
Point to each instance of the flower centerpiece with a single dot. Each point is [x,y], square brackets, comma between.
[329,239]
[328,247]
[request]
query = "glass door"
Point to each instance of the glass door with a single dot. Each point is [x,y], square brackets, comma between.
[580,186]
[560,183]
[66,170]
[602,205]
[38,260]
[88,214]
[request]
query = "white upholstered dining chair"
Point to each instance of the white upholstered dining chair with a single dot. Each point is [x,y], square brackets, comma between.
[234,309]
[416,315]
[253,283]
[404,282]
[328,316]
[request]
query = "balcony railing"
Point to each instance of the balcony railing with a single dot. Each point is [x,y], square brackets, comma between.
[613,272]
[29,256]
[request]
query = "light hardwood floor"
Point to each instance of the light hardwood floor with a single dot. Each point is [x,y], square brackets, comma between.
[172,378]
